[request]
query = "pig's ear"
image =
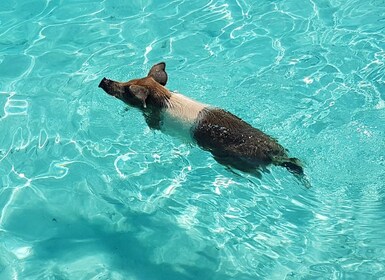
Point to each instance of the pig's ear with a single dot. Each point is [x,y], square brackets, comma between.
[158,73]
[141,93]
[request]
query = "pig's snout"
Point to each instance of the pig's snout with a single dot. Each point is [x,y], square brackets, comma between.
[111,87]
[104,82]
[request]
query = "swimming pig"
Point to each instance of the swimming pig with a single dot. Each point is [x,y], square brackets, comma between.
[232,141]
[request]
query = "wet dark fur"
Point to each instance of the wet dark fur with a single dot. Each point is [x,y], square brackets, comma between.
[232,141]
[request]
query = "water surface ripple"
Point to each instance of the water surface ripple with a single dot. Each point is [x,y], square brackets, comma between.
[87,191]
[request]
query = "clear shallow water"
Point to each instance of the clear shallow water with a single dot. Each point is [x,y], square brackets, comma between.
[87,191]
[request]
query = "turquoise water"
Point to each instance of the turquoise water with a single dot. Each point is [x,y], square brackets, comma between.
[87,191]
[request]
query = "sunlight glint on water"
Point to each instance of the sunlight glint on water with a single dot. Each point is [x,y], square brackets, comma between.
[88,191]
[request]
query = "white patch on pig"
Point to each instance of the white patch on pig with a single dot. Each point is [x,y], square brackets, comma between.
[180,116]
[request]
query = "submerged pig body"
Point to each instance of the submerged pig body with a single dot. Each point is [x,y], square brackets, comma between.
[232,141]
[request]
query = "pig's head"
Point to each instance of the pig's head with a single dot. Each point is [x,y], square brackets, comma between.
[141,93]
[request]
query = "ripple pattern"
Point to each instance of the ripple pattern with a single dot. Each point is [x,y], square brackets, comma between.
[87,191]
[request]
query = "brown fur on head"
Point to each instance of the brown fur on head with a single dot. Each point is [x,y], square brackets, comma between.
[140,93]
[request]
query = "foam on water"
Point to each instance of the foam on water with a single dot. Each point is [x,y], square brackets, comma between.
[87,191]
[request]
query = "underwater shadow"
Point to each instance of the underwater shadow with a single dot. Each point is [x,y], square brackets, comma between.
[123,251]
